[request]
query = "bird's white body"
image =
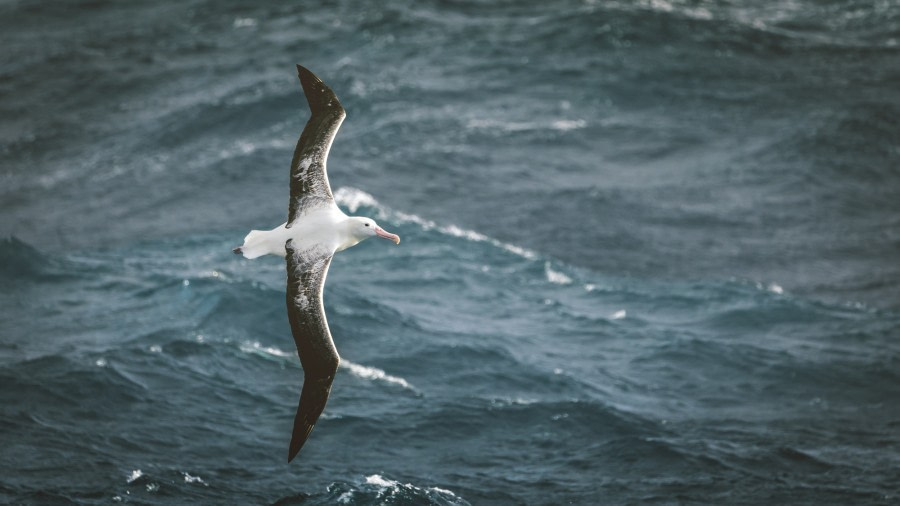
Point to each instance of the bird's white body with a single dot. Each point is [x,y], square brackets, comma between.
[322,227]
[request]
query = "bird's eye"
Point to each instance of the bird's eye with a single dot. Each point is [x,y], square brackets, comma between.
[367,224]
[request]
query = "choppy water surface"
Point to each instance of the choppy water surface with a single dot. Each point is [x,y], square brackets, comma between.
[649,253]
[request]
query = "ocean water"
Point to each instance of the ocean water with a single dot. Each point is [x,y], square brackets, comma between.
[651,252]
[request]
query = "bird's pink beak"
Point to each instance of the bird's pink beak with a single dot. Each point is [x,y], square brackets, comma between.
[380,232]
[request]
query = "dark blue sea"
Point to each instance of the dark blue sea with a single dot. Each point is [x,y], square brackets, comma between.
[651,252]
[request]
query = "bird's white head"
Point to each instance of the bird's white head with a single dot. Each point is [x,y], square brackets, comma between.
[363,228]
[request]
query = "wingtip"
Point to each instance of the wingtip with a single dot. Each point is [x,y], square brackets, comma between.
[319,96]
[306,75]
[297,442]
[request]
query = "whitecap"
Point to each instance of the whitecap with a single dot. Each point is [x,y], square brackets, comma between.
[137,473]
[556,277]
[353,199]
[193,479]
[479,237]
[244,23]
[618,315]
[244,147]
[467,234]
[373,373]
[512,401]
[562,125]
[771,287]
[389,485]
[257,348]
[442,491]
[565,125]
[377,479]
[506,126]
[666,6]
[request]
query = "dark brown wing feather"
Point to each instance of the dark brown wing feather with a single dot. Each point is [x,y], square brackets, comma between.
[309,179]
[306,276]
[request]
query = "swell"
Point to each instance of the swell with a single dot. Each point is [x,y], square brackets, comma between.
[490,357]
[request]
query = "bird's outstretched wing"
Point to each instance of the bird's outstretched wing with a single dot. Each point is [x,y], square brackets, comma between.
[306,270]
[309,179]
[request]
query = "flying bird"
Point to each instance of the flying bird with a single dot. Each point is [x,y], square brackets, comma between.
[315,230]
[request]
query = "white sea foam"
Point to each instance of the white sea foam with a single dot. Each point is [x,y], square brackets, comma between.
[246,147]
[137,473]
[556,277]
[256,347]
[358,370]
[353,199]
[512,401]
[618,315]
[681,8]
[387,485]
[771,287]
[562,125]
[244,22]
[377,479]
[373,373]
[193,479]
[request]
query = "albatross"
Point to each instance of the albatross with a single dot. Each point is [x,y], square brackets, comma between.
[315,230]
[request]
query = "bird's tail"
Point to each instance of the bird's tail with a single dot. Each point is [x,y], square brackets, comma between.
[254,245]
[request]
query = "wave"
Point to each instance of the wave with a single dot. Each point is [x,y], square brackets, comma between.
[388,488]
[374,374]
[20,260]
[354,199]
[562,125]
[556,277]
[135,474]
[804,22]
[377,489]
[166,483]
[360,371]
[256,348]
[618,315]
